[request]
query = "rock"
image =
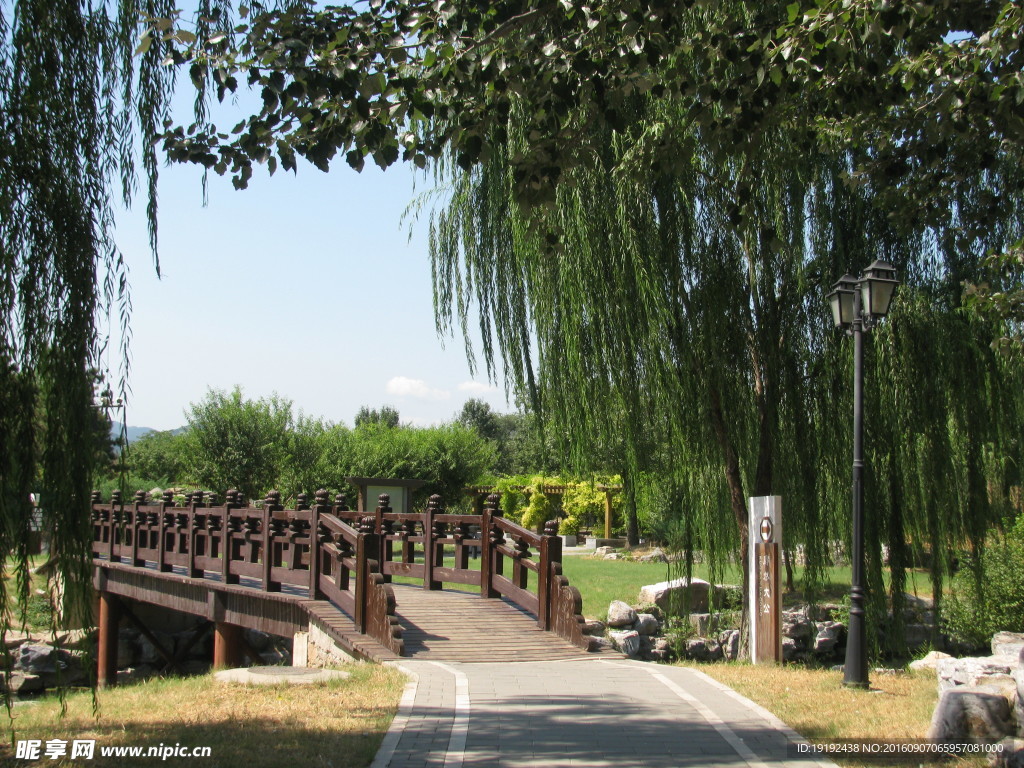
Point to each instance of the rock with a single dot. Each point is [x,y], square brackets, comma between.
[662,644]
[1011,754]
[790,649]
[660,655]
[35,658]
[929,661]
[148,654]
[714,651]
[599,643]
[697,648]
[1018,676]
[823,611]
[1004,685]
[913,602]
[968,714]
[917,636]
[125,649]
[798,626]
[1008,644]
[21,683]
[15,639]
[730,642]
[614,556]
[628,642]
[650,608]
[602,551]
[967,671]
[55,666]
[74,638]
[260,641]
[593,627]
[646,624]
[664,592]
[827,637]
[654,556]
[620,614]
[701,623]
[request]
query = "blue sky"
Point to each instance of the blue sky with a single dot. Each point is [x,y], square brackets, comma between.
[306,285]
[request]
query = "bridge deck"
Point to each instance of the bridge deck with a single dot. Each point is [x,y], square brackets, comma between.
[450,625]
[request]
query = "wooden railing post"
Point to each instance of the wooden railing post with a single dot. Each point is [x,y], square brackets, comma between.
[116,507]
[161,532]
[140,499]
[271,504]
[364,545]
[383,529]
[433,548]
[190,535]
[487,542]
[550,552]
[319,508]
[231,501]
[97,520]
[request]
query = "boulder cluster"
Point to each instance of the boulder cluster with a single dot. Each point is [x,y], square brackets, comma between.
[641,631]
[981,698]
[42,662]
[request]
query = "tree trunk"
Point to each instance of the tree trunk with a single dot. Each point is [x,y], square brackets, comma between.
[737,500]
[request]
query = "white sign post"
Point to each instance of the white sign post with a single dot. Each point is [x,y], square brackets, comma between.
[765,586]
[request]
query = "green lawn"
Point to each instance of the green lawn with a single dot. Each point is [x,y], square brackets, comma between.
[600,581]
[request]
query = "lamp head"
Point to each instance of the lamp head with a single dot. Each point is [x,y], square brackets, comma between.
[877,285]
[842,300]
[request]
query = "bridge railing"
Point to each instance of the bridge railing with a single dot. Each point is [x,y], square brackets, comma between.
[311,548]
[516,563]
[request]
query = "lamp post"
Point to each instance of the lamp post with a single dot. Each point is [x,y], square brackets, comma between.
[857,306]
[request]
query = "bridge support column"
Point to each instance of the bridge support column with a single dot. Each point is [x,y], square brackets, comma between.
[227,645]
[109,618]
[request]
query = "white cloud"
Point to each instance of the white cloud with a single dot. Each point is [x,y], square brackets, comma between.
[477,387]
[403,386]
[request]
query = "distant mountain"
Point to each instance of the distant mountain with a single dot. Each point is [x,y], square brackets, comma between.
[134,433]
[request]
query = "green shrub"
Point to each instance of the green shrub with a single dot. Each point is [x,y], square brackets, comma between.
[988,592]
[570,526]
[538,512]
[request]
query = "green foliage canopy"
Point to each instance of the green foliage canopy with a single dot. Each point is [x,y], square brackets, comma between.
[232,442]
[73,99]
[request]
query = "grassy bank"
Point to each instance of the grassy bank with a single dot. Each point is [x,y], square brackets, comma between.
[601,581]
[815,704]
[338,724]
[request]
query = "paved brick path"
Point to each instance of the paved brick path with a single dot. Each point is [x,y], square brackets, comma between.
[579,714]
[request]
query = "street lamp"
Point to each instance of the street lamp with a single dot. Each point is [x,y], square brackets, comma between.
[857,306]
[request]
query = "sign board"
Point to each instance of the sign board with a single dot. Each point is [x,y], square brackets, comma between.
[400,491]
[765,559]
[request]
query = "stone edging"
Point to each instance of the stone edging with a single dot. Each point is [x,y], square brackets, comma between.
[405,706]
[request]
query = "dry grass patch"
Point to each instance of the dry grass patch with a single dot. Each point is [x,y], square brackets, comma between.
[338,724]
[815,704]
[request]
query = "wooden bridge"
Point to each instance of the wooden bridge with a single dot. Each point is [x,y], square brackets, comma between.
[323,565]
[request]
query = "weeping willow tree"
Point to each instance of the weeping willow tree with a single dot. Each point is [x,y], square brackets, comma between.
[691,295]
[73,99]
